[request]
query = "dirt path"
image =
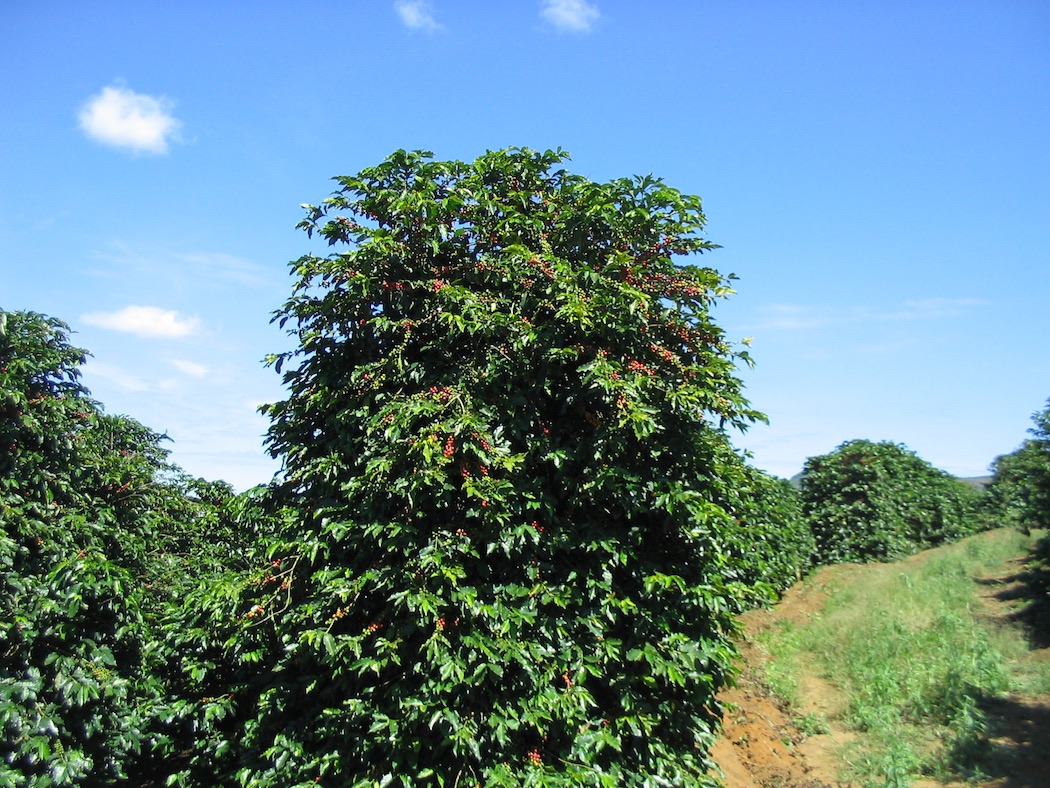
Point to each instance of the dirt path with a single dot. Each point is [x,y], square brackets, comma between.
[762,747]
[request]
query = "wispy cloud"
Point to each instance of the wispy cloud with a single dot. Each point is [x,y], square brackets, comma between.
[936,307]
[120,378]
[206,270]
[417,15]
[792,316]
[232,268]
[120,117]
[191,368]
[145,321]
[577,16]
[798,317]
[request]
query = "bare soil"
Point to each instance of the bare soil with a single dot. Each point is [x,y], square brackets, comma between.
[763,747]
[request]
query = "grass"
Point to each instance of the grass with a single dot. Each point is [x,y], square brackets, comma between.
[913,653]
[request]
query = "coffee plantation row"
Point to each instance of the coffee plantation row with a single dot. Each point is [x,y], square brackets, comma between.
[510,537]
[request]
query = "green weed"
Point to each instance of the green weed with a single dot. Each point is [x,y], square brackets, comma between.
[812,724]
[914,653]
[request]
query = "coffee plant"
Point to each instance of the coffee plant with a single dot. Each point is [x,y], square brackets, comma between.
[505,546]
[1019,493]
[773,540]
[99,535]
[868,501]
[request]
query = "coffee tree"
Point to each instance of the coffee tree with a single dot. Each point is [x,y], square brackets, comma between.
[772,538]
[1019,493]
[506,558]
[869,501]
[99,534]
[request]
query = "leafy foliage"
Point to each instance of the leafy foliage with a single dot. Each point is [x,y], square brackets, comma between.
[1019,492]
[773,539]
[97,532]
[869,501]
[505,555]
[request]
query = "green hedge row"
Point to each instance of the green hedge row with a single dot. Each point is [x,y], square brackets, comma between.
[869,501]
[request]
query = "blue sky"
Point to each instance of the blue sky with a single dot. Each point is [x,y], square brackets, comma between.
[877,173]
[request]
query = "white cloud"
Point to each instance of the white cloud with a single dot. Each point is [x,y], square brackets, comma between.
[575,15]
[123,118]
[190,367]
[417,15]
[145,321]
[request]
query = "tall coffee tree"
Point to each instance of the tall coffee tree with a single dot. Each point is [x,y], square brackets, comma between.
[504,453]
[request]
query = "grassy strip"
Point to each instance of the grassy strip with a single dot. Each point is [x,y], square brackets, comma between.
[908,647]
